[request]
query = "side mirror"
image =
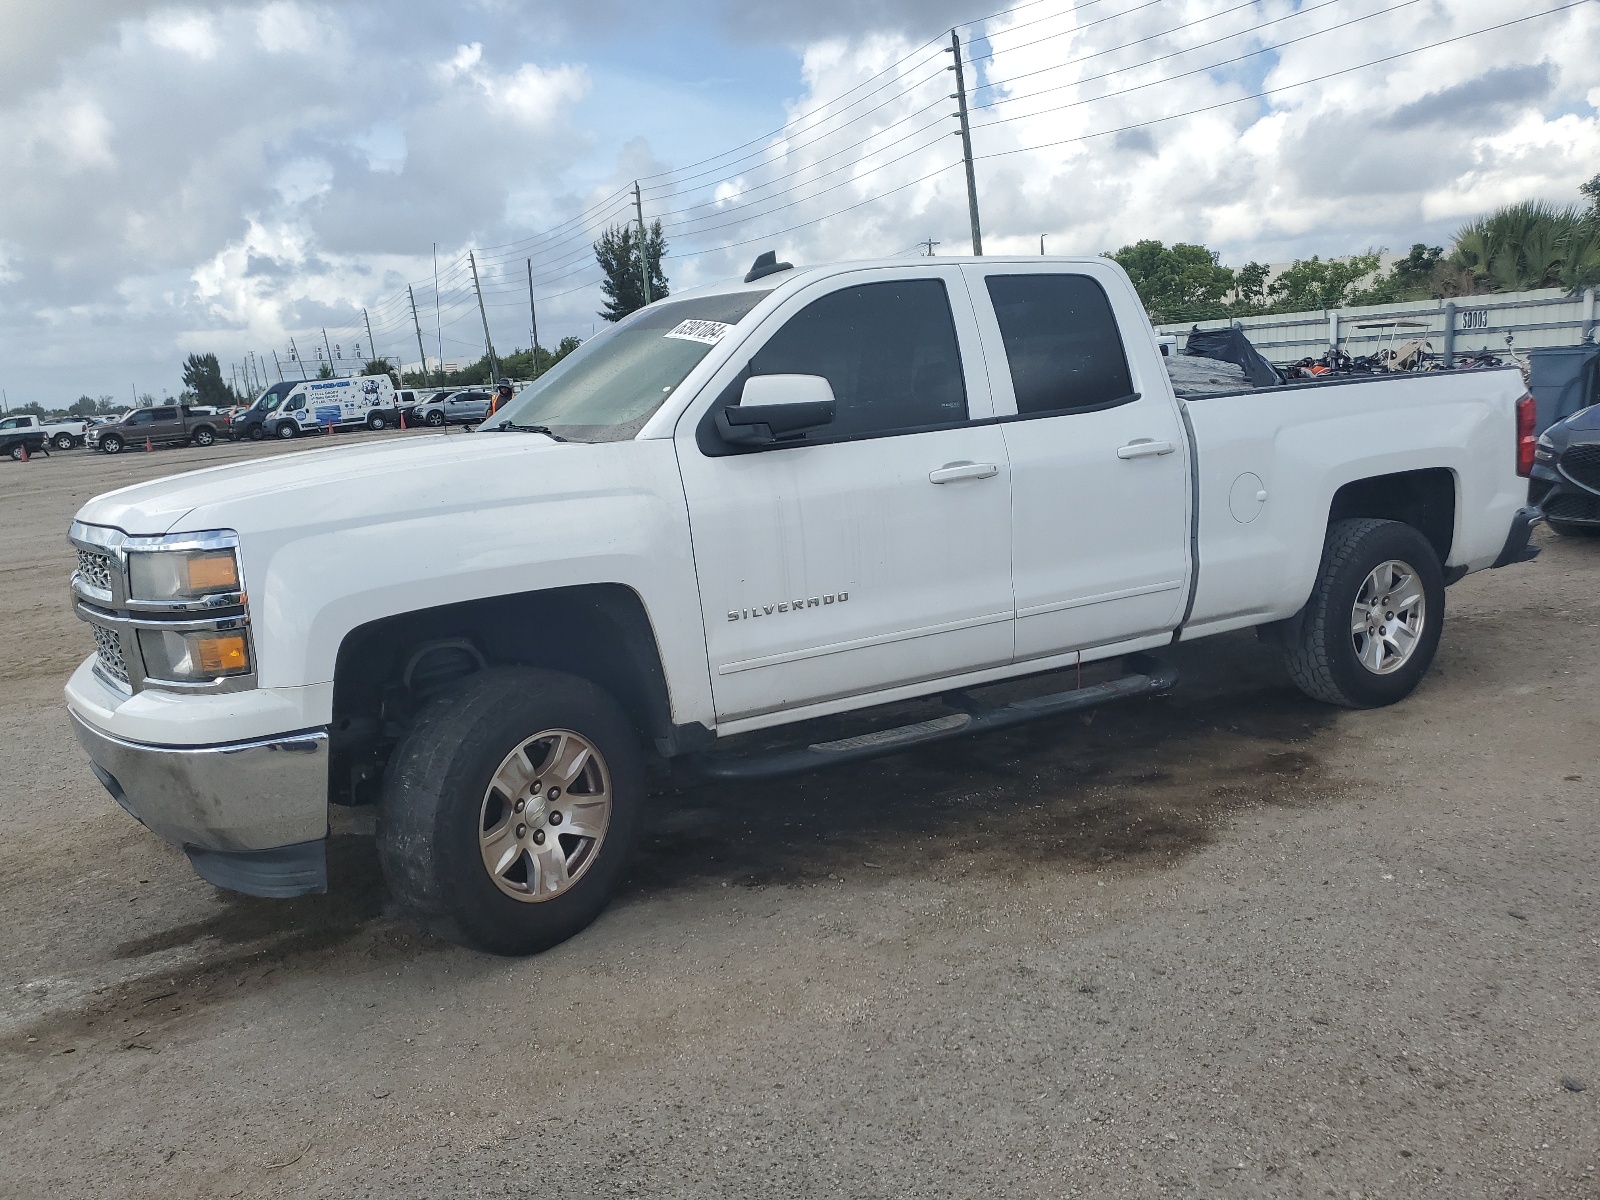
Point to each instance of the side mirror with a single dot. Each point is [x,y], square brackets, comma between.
[777,408]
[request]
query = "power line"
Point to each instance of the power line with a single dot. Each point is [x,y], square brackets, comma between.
[1276,90]
[1184,74]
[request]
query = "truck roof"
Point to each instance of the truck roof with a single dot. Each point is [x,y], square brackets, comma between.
[767,283]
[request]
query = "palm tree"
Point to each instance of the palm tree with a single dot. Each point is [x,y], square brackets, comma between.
[1529,245]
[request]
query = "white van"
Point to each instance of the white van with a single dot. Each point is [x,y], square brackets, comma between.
[314,404]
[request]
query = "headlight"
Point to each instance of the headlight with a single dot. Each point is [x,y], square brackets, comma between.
[1544,449]
[194,657]
[182,574]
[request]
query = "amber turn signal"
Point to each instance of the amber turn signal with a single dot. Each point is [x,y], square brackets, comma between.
[216,572]
[222,654]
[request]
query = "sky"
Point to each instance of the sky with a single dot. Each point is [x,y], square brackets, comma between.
[240,178]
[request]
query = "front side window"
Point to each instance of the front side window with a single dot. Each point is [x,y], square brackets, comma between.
[11,423]
[889,351]
[606,389]
[143,417]
[1062,342]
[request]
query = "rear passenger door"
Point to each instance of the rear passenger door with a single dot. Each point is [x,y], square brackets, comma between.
[1099,463]
[166,425]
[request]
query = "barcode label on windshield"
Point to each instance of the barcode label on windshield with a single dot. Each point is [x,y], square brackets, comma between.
[708,332]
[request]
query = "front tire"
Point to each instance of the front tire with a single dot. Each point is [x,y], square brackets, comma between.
[256,433]
[479,836]
[435,419]
[111,444]
[1369,632]
[287,430]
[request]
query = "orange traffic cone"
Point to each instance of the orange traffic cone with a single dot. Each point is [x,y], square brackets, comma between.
[402,418]
[24,457]
[330,428]
[147,446]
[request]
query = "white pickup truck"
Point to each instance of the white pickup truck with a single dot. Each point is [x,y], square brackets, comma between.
[63,435]
[810,493]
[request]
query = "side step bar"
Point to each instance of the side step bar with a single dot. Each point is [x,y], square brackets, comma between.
[1146,676]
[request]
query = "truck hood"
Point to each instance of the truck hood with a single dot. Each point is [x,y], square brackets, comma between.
[436,473]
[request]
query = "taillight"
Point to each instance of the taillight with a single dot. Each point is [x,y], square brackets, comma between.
[1525,438]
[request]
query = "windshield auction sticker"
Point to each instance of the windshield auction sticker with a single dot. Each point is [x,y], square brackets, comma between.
[706,332]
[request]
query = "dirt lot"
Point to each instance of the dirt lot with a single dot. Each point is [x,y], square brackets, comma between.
[1223,943]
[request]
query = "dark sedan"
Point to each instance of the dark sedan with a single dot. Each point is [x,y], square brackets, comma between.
[1565,483]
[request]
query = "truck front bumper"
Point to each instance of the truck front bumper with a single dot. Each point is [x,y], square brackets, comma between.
[251,816]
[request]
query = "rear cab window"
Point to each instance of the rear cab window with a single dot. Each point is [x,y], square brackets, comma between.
[1062,343]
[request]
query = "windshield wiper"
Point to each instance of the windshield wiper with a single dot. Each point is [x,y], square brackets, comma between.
[544,429]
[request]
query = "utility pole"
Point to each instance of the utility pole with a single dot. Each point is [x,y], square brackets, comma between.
[294,356]
[966,143]
[533,322]
[494,367]
[644,257]
[929,244]
[372,346]
[329,349]
[1041,245]
[438,329]
[277,366]
[418,325]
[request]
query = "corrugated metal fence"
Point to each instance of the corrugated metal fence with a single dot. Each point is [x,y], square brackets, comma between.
[1510,320]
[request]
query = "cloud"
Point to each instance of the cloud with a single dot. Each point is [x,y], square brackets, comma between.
[1477,100]
[225,175]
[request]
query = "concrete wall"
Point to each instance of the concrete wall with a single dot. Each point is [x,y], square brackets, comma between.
[1548,317]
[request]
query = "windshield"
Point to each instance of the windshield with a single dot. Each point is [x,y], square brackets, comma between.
[270,399]
[606,389]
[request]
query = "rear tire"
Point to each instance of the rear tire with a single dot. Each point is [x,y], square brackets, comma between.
[440,822]
[111,444]
[64,441]
[377,421]
[1354,648]
[203,436]
[256,433]
[18,452]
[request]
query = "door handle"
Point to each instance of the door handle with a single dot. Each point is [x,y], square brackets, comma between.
[952,472]
[1144,448]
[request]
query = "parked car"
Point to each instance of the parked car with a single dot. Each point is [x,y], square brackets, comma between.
[293,407]
[861,492]
[163,425]
[466,407]
[63,435]
[21,441]
[1566,474]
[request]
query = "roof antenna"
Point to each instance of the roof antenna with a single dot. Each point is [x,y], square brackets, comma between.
[766,264]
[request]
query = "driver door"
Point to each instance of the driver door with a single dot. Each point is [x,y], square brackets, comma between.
[871,554]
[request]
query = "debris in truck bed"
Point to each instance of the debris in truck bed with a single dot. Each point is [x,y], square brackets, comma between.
[1231,345]
[1204,376]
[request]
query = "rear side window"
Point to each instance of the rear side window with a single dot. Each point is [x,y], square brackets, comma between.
[1062,342]
[164,414]
[889,351]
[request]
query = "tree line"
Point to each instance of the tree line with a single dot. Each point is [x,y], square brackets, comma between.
[1516,248]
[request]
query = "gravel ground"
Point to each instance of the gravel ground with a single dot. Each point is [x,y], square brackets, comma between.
[1222,943]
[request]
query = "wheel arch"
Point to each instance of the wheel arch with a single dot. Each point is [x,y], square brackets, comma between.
[600,632]
[1426,499]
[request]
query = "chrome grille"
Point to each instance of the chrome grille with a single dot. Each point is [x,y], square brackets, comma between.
[108,649]
[95,569]
[1581,464]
